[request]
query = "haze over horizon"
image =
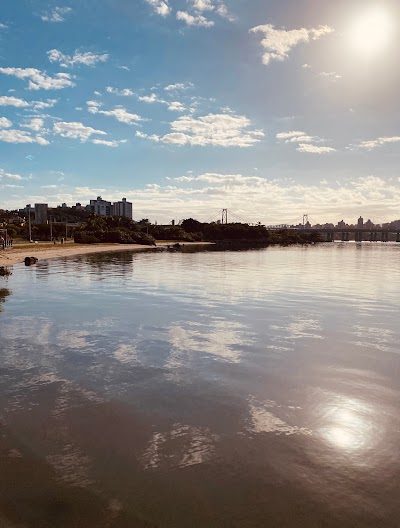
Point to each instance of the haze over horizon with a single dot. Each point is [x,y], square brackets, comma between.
[189,106]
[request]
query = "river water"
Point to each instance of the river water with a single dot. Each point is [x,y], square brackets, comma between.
[202,389]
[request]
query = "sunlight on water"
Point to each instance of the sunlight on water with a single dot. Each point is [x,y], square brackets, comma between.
[348,425]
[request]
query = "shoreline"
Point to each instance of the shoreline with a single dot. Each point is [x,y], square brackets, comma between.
[10,257]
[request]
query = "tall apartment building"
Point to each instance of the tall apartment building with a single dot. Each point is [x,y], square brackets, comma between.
[41,213]
[123,208]
[101,207]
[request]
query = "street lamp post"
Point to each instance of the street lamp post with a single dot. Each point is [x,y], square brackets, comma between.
[29,222]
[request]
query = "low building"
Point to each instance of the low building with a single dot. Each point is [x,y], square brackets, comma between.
[25,210]
[41,211]
[123,208]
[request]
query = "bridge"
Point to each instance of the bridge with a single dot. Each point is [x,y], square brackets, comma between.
[329,234]
[375,234]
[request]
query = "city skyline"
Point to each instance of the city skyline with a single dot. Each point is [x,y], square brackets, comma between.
[201,105]
[123,208]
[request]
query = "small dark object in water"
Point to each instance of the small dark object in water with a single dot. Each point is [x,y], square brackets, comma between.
[30,260]
[5,272]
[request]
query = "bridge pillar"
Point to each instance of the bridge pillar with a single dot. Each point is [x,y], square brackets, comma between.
[359,236]
[343,236]
[398,237]
[385,237]
[347,237]
[330,237]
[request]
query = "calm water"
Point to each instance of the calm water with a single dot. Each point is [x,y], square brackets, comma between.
[209,389]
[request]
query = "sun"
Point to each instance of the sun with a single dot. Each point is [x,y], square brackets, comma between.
[371,33]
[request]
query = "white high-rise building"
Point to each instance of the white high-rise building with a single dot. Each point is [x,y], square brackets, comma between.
[123,208]
[101,207]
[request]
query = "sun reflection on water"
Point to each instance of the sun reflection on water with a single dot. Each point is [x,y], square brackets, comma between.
[349,425]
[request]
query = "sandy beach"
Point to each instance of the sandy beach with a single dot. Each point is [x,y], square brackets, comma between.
[16,255]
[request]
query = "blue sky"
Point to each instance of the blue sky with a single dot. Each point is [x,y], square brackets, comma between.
[270,108]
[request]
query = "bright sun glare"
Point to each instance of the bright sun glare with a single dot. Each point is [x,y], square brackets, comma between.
[371,33]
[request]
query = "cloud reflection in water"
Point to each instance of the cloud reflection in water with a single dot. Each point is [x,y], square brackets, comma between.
[220,338]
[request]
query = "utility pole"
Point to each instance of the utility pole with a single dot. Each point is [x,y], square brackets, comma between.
[29,222]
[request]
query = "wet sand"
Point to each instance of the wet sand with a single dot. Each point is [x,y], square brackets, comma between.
[16,255]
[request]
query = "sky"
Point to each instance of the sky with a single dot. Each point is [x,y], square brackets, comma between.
[268,108]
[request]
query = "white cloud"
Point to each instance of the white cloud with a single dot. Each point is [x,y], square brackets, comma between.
[40,80]
[126,92]
[8,186]
[6,100]
[3,26]
[296,136]
[41,105]
[178,86]
[314,149]
[76,130]
[152,98]
[35,124]
[5,123]
[279,42]
[379,142]
[203,5]
[222,10]
[291,134]
[225,179]
[331,75]
[160,7]
[9,176]
[86,58]
[176,106]
[56,15]
[214,130]
[106,143]
[95,104]
[142,135]
[304,141]
[11,135]
[306,66]
[21,103]
[120,114]
[194,20]
[200,6]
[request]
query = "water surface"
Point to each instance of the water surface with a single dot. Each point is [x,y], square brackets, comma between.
[204,389]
